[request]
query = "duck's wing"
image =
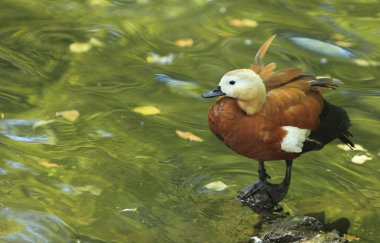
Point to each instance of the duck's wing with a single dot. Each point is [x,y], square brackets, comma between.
[300,104]
[272,78]
[295,104]
[301,91]
[279,78]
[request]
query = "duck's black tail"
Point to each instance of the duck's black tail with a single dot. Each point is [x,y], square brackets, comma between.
[334,123]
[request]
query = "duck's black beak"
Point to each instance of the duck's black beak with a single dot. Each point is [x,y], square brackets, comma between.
[213,93]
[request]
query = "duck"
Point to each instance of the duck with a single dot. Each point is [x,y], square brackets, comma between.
[269,115]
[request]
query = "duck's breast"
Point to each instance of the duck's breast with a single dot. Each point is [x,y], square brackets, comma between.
[257,136]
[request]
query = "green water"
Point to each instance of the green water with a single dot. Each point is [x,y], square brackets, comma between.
[112,160]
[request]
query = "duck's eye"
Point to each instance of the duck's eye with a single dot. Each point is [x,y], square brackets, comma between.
[232,82]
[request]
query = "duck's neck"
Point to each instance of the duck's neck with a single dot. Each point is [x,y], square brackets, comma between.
[252,106]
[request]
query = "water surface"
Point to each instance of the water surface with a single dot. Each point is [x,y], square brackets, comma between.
[115,175]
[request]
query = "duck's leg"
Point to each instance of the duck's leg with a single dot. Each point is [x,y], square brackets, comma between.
[276,191]
[257,186]
[263,176]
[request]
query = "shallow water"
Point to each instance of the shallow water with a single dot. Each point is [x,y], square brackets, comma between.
[115,175]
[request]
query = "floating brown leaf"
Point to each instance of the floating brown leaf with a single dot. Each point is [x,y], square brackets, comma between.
[243,23]
[189,136]
[184,42]
[338,36]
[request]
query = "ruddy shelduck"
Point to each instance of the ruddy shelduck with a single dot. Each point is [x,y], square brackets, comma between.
[274,115]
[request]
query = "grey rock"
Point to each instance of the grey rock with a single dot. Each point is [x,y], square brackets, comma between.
[296,229]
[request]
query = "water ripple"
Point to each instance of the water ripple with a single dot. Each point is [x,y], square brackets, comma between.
[33,226]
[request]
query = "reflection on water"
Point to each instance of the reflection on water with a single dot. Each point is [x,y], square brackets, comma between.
[181,87]
[322,48]
[23,131]
[32,226]
[131,172]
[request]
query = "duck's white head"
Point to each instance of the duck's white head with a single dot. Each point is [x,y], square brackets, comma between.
[244,85]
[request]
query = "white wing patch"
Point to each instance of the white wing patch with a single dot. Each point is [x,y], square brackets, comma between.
[294,139]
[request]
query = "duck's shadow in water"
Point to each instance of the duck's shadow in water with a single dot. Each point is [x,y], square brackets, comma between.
[341,225]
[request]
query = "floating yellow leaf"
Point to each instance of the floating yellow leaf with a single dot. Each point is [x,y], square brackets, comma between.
[68,115]
[338,36]
[100,3]
[184,42]
[149,59]
[216,186]
[362,62]
[48,165]
[360,159]
[225,34]
[350,238]
[80,47]
[357,147]
[344,43]
[366,63]
[189,136]
[243,23]
[147,110]
[95,42]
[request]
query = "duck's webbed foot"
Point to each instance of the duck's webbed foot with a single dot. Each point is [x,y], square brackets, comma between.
[257,186]
[263,196]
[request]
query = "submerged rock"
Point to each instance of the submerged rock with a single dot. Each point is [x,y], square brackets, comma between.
[283,228]
[295,229]
[260,203]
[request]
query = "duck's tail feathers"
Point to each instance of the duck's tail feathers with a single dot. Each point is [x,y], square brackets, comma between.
[345,139]
[334,124]
[326,82]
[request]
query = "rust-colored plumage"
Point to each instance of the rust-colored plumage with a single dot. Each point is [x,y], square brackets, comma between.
[291,101]
[259,136]
[266,114]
